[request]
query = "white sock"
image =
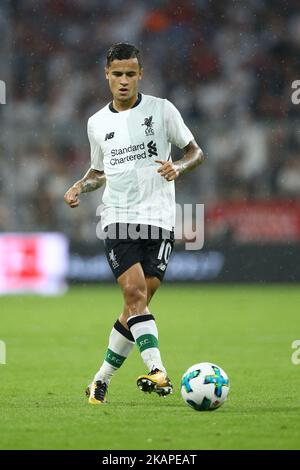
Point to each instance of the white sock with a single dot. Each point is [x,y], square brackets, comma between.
[144,331]
[120,344]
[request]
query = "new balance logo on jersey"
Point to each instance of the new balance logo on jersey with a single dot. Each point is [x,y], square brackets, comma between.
[152,149]
[149,126]
[110,135]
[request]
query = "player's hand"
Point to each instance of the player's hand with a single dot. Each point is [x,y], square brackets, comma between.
[71,197]
[168,170]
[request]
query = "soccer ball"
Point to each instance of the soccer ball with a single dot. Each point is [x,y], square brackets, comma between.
[204,386]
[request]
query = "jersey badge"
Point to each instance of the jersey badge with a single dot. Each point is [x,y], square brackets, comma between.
[148,122]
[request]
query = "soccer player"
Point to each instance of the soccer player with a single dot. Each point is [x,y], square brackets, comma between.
[130,141]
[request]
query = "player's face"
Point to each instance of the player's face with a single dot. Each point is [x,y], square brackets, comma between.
[123,77]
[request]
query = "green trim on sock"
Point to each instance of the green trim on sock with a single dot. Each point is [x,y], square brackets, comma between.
[146,341]
[114,359]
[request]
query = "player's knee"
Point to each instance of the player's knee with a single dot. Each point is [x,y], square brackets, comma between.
[135,295]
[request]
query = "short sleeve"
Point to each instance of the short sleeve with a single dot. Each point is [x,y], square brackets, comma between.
[177,131]
[96,152]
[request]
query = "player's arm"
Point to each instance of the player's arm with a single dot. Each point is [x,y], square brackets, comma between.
[92,180]
[193,156]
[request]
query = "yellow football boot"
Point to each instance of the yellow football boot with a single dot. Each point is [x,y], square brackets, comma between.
[156,381]
[96,392]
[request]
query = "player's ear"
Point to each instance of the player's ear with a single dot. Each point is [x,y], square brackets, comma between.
[106,70]
[141,73]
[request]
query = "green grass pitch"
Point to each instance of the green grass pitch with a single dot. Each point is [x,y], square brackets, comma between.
[54,347]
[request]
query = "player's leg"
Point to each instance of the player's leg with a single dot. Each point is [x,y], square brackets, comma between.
[134,288]
[152,284]
[120,344]
[156,256]
[121,255]
[156,380]
[141,323]
[121,341]
[137,291]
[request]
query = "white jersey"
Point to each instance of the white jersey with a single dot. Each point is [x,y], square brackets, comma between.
[125,146]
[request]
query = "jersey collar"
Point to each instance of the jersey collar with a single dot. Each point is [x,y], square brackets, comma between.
[139,99]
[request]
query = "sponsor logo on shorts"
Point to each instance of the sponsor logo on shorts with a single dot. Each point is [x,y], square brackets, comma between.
[162,266]
[113,259]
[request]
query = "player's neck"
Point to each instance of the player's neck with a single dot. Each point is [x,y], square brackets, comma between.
[124,105]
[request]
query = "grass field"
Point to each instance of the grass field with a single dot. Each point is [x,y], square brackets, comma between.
[54,346]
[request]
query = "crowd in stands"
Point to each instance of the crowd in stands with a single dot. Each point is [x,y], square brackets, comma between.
[227,65]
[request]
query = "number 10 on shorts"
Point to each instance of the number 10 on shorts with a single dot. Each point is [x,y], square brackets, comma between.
[164,251]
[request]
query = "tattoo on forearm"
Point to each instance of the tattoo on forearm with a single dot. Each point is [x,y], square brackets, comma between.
[91,185]
[91,181]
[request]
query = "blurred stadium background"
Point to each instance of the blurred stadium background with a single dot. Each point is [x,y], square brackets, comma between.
[228,66]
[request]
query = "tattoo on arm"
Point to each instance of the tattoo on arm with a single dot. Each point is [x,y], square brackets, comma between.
[92,180]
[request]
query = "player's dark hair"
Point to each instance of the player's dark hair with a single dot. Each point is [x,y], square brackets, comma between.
[122,51]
